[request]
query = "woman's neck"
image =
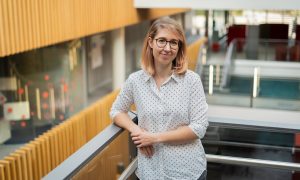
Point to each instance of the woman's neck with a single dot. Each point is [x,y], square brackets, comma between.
[161,75]
[163,72]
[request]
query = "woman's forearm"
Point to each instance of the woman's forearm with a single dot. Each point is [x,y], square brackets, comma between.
[123,120]
[180,135]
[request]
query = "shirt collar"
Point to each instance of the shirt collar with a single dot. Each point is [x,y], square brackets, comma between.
[175,77]
[146,76]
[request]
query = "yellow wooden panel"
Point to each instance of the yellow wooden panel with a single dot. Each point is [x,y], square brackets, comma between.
[193,52]
[89,117]
[95,169]
[58,139]
[94,122]
[28,153]
[81,129]
[64,142]
[54,155]
[23,25]
[11,25]
[38,157]
[41,21]
[51,7]
[76,132]
[45,160]
[24,164]
[32,149]
[7,169]
[35,159]
[48,153]
[29,22]
[53,148]
[17,24]
[18,165]
[69,139]
[65,131]
[57,150]
[5,27]
[2,177]
[12,164]
[39,160]
[98,118]
[2,42]
[34,23]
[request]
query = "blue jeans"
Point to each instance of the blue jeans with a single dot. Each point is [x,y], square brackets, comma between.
[203,175]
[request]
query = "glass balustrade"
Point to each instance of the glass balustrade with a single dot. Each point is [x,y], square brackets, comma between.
[264,82]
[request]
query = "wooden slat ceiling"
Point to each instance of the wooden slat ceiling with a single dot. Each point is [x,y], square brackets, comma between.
[30,24]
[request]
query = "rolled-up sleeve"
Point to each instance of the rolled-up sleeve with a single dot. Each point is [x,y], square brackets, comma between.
[124,100]
[198,108]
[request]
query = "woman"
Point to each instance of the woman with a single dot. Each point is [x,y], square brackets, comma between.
[171,108]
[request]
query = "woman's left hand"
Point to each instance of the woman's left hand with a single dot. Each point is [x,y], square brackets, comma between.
[144,138]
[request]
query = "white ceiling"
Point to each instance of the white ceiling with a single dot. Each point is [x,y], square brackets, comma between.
[221,4]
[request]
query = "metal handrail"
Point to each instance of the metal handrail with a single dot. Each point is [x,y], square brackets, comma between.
[227,64]
[253,162]
[129,170]
[249,145]
[202,54]
[229,160]
[85,154]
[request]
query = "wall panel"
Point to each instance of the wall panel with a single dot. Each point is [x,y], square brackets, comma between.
[30,24]
[193,51]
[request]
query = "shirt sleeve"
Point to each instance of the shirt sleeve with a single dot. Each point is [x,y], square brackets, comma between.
[198,108]
[124,100]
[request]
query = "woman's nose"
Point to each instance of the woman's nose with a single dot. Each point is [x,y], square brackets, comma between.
[167,47]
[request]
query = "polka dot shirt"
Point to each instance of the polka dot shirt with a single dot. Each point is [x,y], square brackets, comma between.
[180,101]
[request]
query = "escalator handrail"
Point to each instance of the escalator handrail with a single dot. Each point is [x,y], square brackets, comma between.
[227,64]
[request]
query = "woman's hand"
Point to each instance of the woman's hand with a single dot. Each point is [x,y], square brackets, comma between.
[144,138]
[147,151]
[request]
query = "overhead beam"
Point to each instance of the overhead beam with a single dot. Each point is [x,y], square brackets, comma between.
[221,4]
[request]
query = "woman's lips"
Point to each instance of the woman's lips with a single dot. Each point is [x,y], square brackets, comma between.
[165,55]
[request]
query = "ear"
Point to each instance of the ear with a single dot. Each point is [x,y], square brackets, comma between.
[150,42]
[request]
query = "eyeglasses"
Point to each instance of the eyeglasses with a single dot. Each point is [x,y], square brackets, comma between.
[161,43]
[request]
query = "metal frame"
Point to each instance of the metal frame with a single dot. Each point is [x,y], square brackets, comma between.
[229,160]
[85,154]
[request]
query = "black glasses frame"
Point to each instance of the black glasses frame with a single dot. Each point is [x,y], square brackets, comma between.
[177,47]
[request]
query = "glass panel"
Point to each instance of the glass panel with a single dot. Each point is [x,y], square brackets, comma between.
[40,89]
[277,84]
[246,142]
[109,163]
[235,172]
[278,94]
[99,65]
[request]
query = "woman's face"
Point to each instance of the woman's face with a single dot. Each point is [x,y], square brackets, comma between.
[165,47]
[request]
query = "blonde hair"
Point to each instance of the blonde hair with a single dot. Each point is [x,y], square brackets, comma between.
[179,64]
